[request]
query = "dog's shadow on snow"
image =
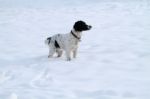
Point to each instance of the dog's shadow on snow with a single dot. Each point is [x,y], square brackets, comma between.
[28,61]
[37,60]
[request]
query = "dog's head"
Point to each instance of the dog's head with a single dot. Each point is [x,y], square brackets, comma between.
[81,26]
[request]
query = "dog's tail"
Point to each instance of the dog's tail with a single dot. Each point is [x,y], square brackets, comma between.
[47,41]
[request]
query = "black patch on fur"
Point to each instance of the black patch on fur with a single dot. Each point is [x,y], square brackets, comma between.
[56,44]
[81,26]
[49,40]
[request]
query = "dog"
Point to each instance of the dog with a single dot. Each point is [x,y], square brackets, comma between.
[67,42]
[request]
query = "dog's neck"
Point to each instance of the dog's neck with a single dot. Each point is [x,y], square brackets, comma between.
[76,34]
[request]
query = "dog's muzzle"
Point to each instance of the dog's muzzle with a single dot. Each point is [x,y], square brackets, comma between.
[89,27]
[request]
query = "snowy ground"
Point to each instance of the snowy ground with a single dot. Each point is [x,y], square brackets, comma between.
[113,60]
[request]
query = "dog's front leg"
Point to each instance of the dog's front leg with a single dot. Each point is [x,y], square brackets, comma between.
[68,54]
[75,53]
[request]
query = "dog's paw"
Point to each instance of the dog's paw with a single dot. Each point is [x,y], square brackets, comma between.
[49,56]
[59,56]
[68,59]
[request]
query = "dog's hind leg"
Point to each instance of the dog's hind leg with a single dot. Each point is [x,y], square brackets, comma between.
[51,52]
[59,52]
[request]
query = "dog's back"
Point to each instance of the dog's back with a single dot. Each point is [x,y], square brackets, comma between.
[58,40]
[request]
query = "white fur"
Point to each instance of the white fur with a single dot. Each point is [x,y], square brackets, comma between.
[67,43]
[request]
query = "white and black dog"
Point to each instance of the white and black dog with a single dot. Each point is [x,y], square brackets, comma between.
[67,42]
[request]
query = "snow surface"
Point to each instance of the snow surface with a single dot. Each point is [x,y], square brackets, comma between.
[113,60]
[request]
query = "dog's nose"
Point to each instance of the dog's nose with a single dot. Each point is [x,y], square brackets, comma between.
[89,27]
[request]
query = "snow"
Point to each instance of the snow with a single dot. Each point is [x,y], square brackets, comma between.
[113,59]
